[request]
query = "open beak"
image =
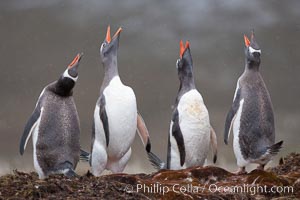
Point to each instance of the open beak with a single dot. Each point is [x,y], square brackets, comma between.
[247,41]
[183,48]
[75,60]
[108,37]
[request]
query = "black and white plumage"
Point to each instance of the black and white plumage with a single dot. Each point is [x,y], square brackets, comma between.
[190,133]
[251,114]
[54,126]
[116,119]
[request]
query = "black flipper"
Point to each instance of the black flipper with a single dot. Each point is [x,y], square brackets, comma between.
[231,114]
[169,153]
[31,123]
[93,140]
[214,143]
[84,156]
[104,119]
[148,146]
[143,132]
[176,133]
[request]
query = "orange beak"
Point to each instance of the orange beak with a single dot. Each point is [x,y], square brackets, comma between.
[183,48]
[108,38]
[75,60]
[247,41]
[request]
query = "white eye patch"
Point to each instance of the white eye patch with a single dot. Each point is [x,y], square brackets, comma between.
[101,48]
[251,50]
[177,63]
[66,74]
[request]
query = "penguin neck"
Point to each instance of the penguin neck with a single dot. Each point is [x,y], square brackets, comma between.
[186,84]
[110,71]
[64,86]
[110,68]
[251,66]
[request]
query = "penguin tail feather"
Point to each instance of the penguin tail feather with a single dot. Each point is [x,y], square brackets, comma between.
[84,156]
[275,148]
[70,173]
[155,161]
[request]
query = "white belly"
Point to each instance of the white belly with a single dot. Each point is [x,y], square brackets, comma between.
[241,162]
[121,112]
[195,128]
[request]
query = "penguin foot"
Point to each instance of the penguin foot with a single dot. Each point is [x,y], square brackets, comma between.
[241,171]
[260,167]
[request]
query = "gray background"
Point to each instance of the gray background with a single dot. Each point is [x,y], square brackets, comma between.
[38,39]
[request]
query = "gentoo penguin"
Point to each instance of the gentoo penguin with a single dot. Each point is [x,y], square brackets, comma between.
[116,119]
[54,126]
[251,114]
[190,133]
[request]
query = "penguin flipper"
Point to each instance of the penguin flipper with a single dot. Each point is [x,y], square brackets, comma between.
[169,153]
[214,144]
[231,115]
[30,126]
[104,119]
[143,132]
[177,134]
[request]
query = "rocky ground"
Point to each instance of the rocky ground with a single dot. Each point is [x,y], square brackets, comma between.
[281,182]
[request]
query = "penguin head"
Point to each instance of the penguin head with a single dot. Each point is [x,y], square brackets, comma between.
[71,73]
[67,80]
[252,50]
[184,64]
[110,46]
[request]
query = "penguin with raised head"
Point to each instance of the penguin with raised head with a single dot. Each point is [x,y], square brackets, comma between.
[251,114]
[190,133]
[54,126]
[116,119]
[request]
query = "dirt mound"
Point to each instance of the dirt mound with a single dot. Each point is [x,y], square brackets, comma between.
[282,182]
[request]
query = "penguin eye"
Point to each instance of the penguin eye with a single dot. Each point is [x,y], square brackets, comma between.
[102,46]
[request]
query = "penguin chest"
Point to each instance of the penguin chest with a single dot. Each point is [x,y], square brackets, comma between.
[241,161]
[195,127]
[121,112]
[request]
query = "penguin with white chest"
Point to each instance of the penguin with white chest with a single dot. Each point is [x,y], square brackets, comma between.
[54,126]
[190,132]
[116,119]
[251,115]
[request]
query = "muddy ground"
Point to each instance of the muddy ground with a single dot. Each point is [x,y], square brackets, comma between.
[280,182]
